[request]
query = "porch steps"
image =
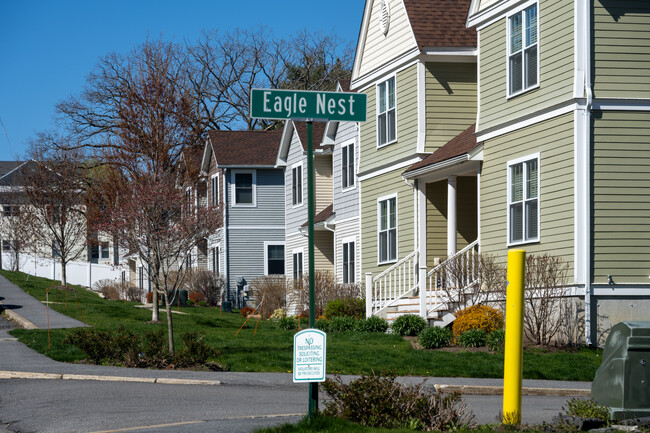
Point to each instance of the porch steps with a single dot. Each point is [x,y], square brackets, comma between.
[411,305]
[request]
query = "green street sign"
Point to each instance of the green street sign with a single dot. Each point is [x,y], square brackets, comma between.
[302,104]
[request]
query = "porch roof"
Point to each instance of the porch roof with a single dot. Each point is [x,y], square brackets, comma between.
[322,216]
[462,144]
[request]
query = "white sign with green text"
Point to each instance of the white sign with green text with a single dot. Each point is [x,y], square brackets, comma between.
[309,356]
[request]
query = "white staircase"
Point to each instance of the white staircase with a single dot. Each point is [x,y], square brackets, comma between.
[434,295]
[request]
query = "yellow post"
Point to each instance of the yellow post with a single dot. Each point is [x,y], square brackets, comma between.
[514,350]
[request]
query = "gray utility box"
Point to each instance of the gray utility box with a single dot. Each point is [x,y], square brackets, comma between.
[621,381]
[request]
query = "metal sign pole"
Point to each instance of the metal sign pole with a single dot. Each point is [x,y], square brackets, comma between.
[313,386]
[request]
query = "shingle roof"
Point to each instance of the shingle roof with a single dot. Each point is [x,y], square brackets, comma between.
[440,23]
[317,134]
[245,148]
[7,166]
[322,216]
[459,145]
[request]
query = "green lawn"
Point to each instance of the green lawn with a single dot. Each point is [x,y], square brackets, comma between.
[270,349]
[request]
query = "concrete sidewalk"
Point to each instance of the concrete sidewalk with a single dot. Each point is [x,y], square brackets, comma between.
[20,362]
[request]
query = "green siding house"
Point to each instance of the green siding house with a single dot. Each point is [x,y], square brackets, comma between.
[563,118]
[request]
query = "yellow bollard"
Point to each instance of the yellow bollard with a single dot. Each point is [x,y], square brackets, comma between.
[514,350]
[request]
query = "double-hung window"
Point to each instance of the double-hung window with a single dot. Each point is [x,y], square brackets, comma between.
[386,112]
[214,190]
[274,258]
[348,262]
[297,265]
[244,188]
[523,200]
[387,228]
[215,260]
[347,166]
[523,53]
[296,184]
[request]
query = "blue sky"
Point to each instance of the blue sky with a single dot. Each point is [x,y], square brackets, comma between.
[47,48]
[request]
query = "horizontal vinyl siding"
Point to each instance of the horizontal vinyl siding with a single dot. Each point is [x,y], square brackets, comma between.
[295,242]
[247,252]
[323,181]
[345,231]
[621,57]
[406,144]
[371,190]
[323,251]
[380,48]
[450,101]
[556,51]
[621,185]
[346,203]
[295,215]
[553,139]
[270,201]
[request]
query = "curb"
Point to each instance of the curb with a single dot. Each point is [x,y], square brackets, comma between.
[56,376]
[498,390]
[20,320]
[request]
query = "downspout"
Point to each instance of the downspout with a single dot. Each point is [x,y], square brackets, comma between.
[226,188]
[587,134]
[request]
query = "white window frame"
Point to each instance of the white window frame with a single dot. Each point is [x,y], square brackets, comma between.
[267,244]
[345,242]
[388,142]
[379,201]
[101,255]
[214,192]
[233,182]
[521,11]
[297,167]
[345,150]
[510,164]
[216,252]
[294,253]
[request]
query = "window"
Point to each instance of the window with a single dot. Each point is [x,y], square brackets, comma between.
[386,112]
[348,262]
[7,245]
[188,260]
[296,184]
[522,51]
[104,252]
[10,210]
[141,277]
[56,249]
[244,187]
[214,190]
[215,260]
[347,165]
[387,225]
[523,200]
[274,259]
[99,251]
[297,265]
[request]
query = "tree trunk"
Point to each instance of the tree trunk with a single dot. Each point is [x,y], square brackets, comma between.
[170,324]
[64,276]
[155,316]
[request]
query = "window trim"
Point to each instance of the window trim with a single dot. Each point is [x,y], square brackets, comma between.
[520,11]
[295,252]
[298,165]
[509,164]
[214,197]
[216,254]
[267,244]
[344,147]
[347,241]
[233,183]
[388,142]
[379,200]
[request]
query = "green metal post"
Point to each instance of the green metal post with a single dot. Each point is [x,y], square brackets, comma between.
[313,386]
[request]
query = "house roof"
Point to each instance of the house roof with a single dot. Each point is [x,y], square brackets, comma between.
[7,166]
[461,144]
[19,171]
[245,148]
[440,23]
[323,215]
[317,134]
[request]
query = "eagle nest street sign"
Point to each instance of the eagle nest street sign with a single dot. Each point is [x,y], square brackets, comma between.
[299,104]
[309,356]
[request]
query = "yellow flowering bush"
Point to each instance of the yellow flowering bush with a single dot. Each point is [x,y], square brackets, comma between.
[477,317]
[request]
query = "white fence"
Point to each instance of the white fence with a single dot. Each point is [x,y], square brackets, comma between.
[81,273]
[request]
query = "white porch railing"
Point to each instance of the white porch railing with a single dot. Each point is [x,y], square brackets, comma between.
[394,283]
[449,279]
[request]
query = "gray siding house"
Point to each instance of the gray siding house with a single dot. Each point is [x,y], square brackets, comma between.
[241,173]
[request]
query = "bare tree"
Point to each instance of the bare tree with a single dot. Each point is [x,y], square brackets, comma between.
[55,199]
[15,230]
[155,219]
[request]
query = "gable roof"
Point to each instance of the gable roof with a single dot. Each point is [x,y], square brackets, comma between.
[440,23]
[300,128]
[20,171]
[461,144]
[7,166]
[245,148]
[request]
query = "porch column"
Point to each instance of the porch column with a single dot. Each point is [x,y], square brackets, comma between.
[451,216]
[369,294]
[422,245]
